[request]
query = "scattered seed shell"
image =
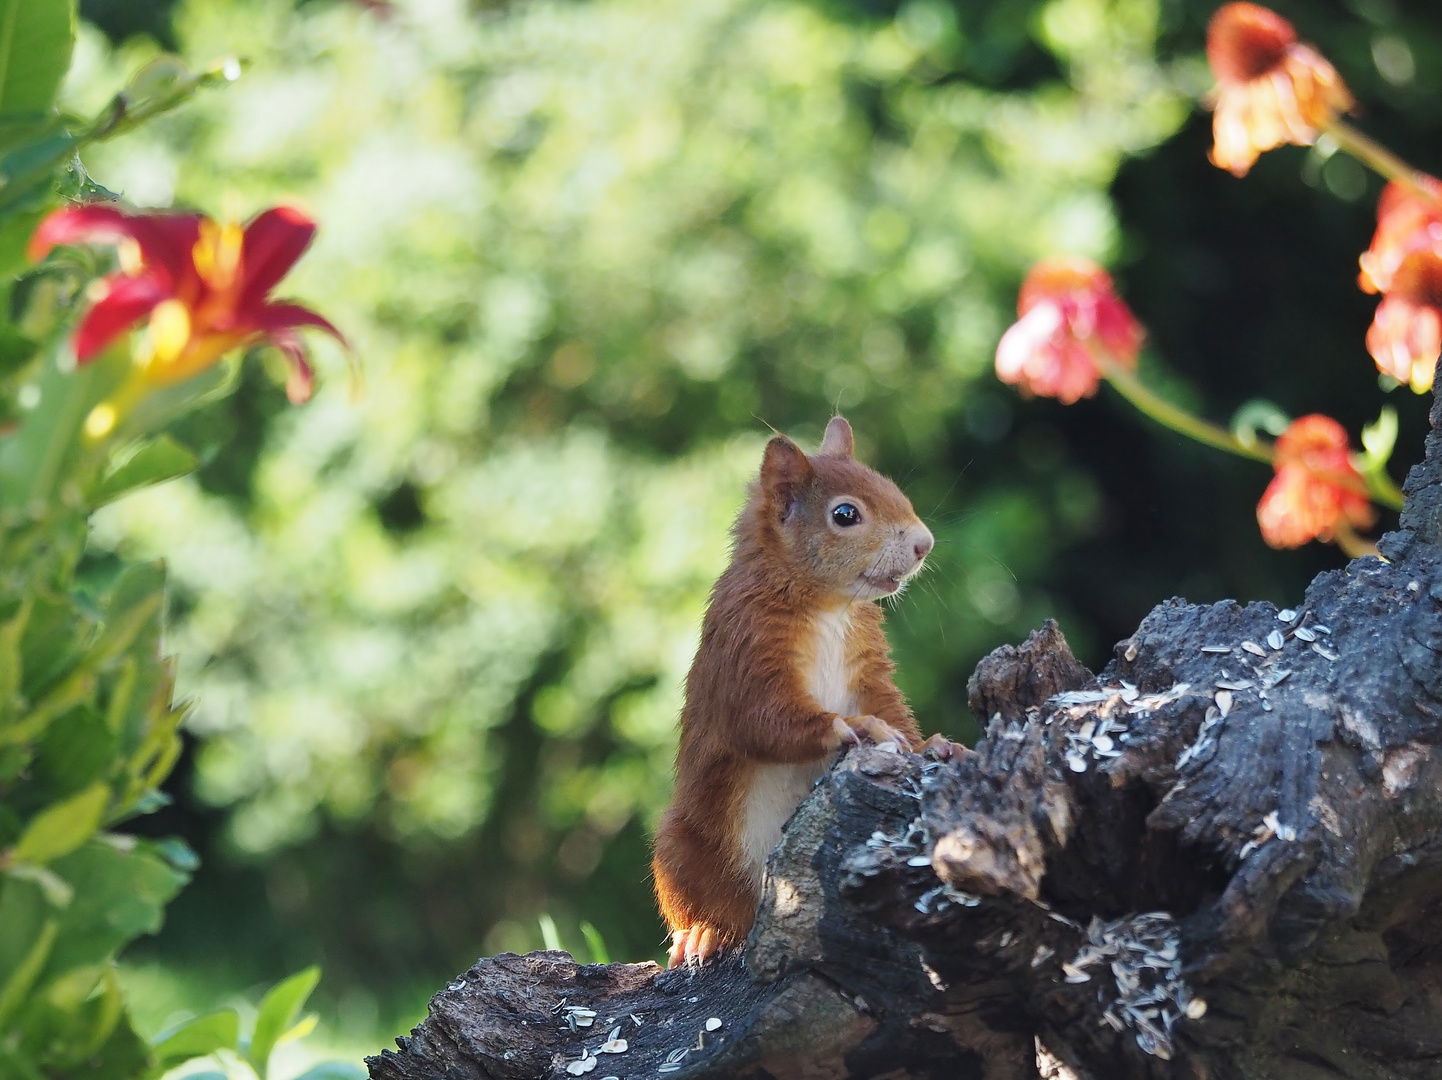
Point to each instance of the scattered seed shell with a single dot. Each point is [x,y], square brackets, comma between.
[1196,1008]
[1253,648]
[1286,615]
[919,860]
[1275,640]
[582,1067]
[1224,702]
[1220,649]
[1305,633]
[713,1024]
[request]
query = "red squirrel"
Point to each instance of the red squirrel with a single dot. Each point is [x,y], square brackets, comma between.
[792,664]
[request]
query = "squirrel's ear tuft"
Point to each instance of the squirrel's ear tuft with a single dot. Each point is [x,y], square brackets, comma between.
[784,470]
[837,441]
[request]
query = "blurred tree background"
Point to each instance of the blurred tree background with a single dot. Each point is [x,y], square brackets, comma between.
[589,253]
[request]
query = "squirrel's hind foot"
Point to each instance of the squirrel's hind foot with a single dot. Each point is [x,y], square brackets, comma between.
[694,944]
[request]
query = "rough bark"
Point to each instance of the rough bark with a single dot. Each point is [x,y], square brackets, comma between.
[1219,858]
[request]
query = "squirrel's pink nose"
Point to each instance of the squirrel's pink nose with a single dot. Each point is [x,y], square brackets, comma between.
[922,544]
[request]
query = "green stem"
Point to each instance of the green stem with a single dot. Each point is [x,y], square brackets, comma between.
[1170,416]
[1382,490]
[1352,545]
[1378,158]
[1379,486]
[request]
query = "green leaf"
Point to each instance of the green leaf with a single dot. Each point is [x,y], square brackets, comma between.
[63,827]
[16,350]
[17,987]
[196,1038]
[162,458]
[28,176]
[36,37]
[121,889]
[334,1070]
[177,853]
[77,750]
[1379,438]
[597,944]
[11,632]
[57,890]
[279,1010]
[36,458]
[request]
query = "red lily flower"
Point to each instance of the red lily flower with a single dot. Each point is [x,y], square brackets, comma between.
[1270,89]
[1317,491]
[201,284]
[1067,308]
[1404,263]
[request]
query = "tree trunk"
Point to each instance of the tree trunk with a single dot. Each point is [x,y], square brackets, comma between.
[1218,859]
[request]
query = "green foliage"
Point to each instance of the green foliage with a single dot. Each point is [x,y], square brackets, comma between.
[35,42]
[278,1019]
[88,731]
[279,1014]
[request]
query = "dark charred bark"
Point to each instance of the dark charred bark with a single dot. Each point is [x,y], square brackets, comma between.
[1220,858]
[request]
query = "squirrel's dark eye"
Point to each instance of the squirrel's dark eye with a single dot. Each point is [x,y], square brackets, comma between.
[846,515]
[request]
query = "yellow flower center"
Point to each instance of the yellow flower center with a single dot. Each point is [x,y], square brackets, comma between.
[169,332]
[217,253]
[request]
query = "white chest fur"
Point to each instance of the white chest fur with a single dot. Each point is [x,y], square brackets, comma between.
[828,676]
[776,790]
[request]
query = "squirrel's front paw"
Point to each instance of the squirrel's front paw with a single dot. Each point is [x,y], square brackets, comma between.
[876,730]
[943,749]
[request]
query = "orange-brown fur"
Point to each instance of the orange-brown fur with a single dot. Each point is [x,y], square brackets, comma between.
[748,705]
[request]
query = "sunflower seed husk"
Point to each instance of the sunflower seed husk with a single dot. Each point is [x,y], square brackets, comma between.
[1286,615]
[1196,1008]
[1305,633]
[713,1024]
[1224,702]
[1325,654]
[1253,648]
[1220,649]
[919,860]
[1275,640]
